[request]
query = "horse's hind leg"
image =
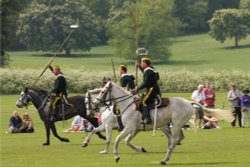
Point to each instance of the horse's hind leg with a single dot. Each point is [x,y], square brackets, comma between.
[53,128]
[181,137]
[167,131]
[136,148]
[47,128]
[176,131]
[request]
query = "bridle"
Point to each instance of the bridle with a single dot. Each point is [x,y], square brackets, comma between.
[28,98]
[89,104]
[122,98]
[29,101]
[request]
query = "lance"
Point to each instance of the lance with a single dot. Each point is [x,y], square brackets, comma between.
[137,44]
[73,27]
[113,67]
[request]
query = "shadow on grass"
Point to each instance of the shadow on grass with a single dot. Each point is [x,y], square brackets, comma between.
[239,47]
[74,55]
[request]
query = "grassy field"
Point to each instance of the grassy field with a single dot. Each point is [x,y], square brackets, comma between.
[228,147]
[194,52]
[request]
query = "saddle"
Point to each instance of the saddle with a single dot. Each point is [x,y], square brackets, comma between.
[138,103]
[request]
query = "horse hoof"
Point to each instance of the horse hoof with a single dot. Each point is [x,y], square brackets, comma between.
[84,144]
[117,159]
[163,163]
[103,152]
[179,144]
[45,144]
[65,140]
[143,150]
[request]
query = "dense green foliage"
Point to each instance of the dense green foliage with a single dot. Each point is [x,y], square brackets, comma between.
[12,81]
[230,23]
[9,11]
[194,14]
[156,25]
[44,26]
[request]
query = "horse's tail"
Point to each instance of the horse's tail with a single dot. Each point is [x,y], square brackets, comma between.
[192,122]
[219,114]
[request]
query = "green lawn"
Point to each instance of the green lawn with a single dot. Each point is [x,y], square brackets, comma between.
[193,52]
[228,147]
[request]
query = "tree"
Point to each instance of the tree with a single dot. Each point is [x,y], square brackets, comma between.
[45,24]
[228,23]
[214,5]
[193,15]
[245,4]
[156,27]
[9,10]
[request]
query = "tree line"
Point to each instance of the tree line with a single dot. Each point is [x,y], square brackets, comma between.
[43,24]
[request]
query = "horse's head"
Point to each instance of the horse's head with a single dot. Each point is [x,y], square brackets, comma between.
[104,96]
[89,98]
[24,99]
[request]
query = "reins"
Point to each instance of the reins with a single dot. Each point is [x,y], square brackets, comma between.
[112,99]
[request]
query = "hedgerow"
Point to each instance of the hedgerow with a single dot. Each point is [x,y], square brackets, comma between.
[79,81]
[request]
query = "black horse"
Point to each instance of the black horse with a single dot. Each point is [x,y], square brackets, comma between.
[41,100]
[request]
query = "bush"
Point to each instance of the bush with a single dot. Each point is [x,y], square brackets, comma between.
[14,80]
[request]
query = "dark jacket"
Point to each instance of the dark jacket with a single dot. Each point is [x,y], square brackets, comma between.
[150,79]
[16,122]
[127,81]
[60,85]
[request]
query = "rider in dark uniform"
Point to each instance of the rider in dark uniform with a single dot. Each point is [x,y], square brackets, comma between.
[150,79]
[126,80]
[60,85]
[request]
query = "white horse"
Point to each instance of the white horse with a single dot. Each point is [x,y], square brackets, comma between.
[178,113]
[108,119]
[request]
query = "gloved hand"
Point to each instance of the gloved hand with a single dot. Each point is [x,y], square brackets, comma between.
[134,91]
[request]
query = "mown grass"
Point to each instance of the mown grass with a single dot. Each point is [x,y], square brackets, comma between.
[193,52]
[228,147]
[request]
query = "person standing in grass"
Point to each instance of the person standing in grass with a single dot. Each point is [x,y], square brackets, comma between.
[233,97]
[199,97]
[209,93]
[245,107]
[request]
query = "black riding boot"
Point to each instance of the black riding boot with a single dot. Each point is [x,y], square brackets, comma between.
[146,115]
[120,125]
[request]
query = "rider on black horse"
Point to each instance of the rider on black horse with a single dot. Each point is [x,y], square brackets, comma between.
[150,79]
[59,89]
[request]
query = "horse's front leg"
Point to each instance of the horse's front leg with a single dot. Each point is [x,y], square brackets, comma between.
[94,122]
[53,128]
[94,131]
[123,134]
[134,147]
[108,128]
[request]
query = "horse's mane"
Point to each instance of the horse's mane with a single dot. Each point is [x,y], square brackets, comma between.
[121,88]
[40,90]
[95,91]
